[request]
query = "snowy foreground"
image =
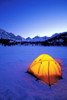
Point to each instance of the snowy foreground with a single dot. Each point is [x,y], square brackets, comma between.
[15,84]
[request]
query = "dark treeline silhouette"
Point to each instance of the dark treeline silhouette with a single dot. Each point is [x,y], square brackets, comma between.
[59,40]
[6,42]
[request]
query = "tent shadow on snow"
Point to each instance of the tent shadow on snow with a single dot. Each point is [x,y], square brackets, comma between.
[46,69]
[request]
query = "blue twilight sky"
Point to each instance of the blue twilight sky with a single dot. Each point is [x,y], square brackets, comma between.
[29,18]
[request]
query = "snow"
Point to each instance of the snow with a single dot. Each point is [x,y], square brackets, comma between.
[11,36]
[54,35]
[16,84]
[37,39]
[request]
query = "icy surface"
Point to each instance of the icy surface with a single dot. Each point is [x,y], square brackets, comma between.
[15,84]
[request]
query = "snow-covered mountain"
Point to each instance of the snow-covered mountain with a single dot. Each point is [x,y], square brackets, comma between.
[39,39]
[55,39]
[10,36]
[19,38]
[59,39]
[36,39]
[54,35]
[28,39]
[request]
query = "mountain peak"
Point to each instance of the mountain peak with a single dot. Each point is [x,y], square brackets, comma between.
[54,35]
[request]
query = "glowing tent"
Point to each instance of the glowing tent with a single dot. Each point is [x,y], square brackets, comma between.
[46,69]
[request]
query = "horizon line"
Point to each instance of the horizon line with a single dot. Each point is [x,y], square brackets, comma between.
[35,35]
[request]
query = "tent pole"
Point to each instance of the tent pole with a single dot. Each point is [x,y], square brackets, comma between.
[48,74]
[39,68]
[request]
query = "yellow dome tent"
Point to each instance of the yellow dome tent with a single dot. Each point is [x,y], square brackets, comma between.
[46,69]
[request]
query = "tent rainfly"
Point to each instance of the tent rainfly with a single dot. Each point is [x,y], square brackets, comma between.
[46,69]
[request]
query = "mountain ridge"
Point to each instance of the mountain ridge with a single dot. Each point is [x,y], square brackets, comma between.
[55,39]
[6,35]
